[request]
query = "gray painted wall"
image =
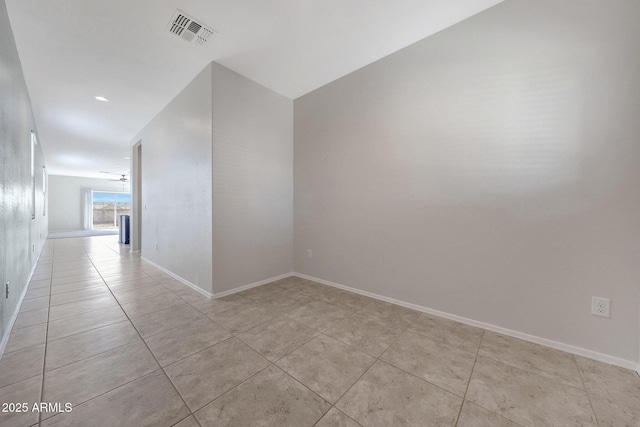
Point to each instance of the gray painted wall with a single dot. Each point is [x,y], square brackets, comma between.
[489,171]
[252,181]
[65,199]
[176,184]
[217,181]
[21,238]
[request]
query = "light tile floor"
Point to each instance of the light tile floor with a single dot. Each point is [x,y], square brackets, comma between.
[127,345]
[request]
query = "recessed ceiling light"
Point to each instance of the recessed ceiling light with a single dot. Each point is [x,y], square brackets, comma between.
[101,98]
[127,158]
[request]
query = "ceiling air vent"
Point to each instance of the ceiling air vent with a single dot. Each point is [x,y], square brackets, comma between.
[190,30]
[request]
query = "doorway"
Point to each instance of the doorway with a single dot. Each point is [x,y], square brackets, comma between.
[107,208]
[136,197]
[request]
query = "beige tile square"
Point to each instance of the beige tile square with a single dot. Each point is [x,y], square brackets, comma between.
[447,331]
[284,302]
[27,391]
[80,307]
[133,284]
[175,344]
[611,413]
[148,401]
[41,276]
[84,322]
[335,418]
[21,365]
[114,270]
[261,292]
[191,296]
[155,273]
[319,315]
[89,270]
[346,299]
[116,277]
[526,398]
[81,277]
[288,283]
[364,333]
[395,316]
[188,422]
[76,286]
[210,307]
[312,289]
[98,374]
[611,382]
[87,344]
[164,320]
[75,266]
[78,295]
[277,337]
[270,398]
[34,304]
[37,292]
[446,366]
[614,392]
[173,285]
[545,361]
[206,375]
[24,338]
[386,396]
[130,295]
[151,304]
[243,317]
[38,284]
[31,318]
[328,367]
[475,416]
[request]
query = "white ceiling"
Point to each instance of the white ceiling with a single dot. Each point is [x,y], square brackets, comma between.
[73,50]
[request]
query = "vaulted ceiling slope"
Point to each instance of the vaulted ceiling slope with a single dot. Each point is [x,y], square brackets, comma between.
[73,50]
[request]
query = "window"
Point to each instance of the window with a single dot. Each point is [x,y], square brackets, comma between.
[34,142]
[107,208]
[44,191]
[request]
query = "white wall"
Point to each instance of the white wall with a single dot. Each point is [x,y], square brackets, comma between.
[252,181]
[176,184]
[490,171]
[21,237]
[65,199]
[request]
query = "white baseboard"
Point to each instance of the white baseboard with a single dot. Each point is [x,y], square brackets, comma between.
[251,285]
[12,321]
[178,278]
[612,360]
[218,294]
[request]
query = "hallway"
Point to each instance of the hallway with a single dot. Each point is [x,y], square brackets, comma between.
[127,345]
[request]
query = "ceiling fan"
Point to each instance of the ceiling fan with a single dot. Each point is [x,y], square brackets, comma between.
[123,178]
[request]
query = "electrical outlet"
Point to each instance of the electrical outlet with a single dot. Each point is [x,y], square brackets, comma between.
[309,253]
[600,307]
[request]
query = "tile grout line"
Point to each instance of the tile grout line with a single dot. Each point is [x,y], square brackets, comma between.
[367,370]
[46,336]
[464,397]
[46,343]
[315,336]
[234,335]
[354,311]
[146,345]
[593,410]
